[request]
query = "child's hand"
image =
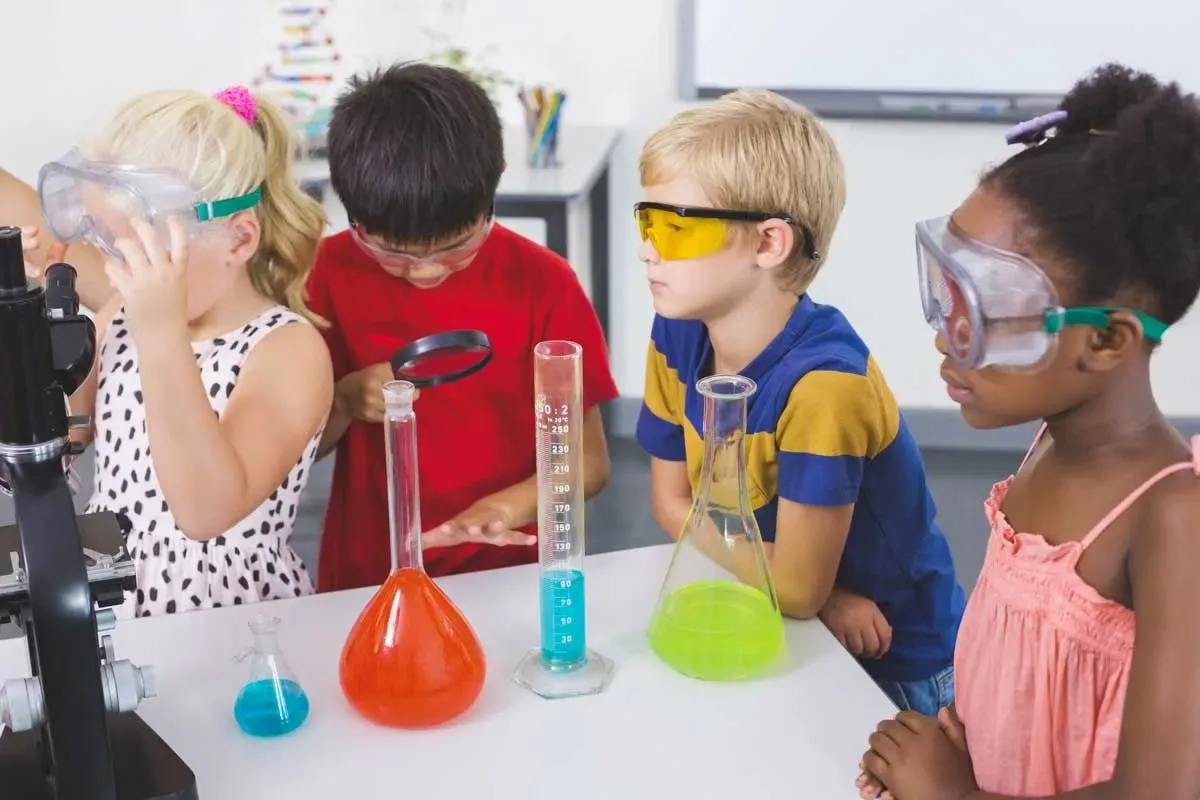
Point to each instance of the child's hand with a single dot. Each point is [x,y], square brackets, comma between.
[29,244]
[360,394]
[952,726]
[151,281]
[870,787]
[915,758]
[482,523]
[857,623]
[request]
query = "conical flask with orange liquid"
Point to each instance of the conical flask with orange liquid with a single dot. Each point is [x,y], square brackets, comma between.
[412,660]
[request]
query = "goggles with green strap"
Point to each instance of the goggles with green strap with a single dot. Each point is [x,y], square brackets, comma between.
[92,201]
[996,308]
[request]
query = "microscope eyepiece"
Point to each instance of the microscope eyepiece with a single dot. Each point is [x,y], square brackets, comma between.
[61,298]
[12,261]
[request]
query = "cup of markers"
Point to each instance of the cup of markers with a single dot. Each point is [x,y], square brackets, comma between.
[543,110]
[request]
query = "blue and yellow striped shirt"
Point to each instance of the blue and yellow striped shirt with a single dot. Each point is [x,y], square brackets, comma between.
[824,429]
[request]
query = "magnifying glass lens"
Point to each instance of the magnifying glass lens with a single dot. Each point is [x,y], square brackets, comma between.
[437,363]
[442,358]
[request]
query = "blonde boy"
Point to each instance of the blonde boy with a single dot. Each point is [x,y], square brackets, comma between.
[742,197]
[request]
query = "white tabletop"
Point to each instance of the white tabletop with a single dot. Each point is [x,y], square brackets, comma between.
[652,734]
[583,153]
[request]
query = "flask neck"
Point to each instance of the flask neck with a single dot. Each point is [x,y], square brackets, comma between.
[404,505]
[266,642]
[265,629]
[723,474]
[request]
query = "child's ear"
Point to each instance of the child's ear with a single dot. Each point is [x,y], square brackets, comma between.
[776,239]
[1109,347]
[246,233]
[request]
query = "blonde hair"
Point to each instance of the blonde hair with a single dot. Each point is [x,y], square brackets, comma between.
[753,150]
[222,156]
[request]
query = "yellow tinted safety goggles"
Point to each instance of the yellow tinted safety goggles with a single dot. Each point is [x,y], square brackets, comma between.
[681,233]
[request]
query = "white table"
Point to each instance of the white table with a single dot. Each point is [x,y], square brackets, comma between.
[551,194]
[652,735]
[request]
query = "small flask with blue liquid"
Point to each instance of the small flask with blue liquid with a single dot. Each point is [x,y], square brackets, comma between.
[272,703]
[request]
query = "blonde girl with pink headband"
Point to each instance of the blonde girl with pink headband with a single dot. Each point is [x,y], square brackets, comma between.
[211,385]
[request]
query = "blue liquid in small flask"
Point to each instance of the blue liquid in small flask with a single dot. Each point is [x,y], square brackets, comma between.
[272,703]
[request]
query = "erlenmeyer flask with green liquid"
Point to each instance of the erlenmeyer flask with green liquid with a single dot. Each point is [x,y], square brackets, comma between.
[718,615]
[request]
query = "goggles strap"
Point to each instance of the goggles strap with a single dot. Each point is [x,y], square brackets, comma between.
[1097,317]
[227,207]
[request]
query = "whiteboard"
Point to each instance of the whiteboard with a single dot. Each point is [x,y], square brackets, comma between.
[1027,51]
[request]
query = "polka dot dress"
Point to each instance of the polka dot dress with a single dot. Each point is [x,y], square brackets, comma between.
[253,560]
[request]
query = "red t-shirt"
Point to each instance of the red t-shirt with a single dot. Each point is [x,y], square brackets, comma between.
[474,436]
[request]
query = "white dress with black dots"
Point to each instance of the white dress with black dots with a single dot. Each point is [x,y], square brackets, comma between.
[254,559]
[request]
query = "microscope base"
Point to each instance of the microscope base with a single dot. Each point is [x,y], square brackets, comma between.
[146,768]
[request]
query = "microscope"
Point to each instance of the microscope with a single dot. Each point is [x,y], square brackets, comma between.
[71,731]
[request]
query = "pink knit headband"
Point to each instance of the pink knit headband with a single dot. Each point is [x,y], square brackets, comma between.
[241,101]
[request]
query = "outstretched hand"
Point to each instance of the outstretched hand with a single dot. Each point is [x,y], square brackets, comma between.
[482,523]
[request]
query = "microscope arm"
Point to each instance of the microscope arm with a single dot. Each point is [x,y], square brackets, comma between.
[74,739]
[63,646]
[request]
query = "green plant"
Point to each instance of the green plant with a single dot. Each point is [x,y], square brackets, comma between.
[452,54]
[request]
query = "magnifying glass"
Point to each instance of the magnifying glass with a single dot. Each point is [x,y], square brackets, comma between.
[442,358]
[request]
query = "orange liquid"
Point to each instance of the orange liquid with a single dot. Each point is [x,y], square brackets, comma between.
[412,659]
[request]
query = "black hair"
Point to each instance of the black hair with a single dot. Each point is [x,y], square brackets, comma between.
[415,152]
[1115,193]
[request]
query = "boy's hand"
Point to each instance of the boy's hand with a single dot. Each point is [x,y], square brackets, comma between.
[857,623]
[360,394]
[481,523]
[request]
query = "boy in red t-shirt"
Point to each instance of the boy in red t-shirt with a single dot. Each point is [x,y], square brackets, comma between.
[415,155]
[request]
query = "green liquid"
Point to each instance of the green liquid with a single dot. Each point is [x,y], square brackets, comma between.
[717,631]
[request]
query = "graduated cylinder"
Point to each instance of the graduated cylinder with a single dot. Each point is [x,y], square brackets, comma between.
[562,666]
[558,405]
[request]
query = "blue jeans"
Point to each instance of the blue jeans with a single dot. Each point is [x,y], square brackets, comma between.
[927,696]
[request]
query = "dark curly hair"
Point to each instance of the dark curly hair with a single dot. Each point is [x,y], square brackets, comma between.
[1115,193]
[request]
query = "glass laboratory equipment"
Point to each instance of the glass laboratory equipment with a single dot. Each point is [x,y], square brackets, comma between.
[562,666]
[718,615]
[411,660]
[272,702]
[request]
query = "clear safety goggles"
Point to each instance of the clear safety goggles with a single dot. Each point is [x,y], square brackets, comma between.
[996,308]
[440,263]
[92,202]
[682,233]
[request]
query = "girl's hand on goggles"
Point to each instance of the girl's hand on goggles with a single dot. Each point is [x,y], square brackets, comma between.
[152,281]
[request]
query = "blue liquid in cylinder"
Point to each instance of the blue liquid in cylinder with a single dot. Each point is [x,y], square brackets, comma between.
[563,640]
[271,708]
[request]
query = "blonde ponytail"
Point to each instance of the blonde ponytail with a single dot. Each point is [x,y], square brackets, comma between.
[292,222]
[210,143]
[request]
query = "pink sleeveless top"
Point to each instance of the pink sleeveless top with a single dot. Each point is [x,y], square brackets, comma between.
[1042,659]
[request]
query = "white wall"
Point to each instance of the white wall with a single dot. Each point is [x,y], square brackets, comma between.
[617,60]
